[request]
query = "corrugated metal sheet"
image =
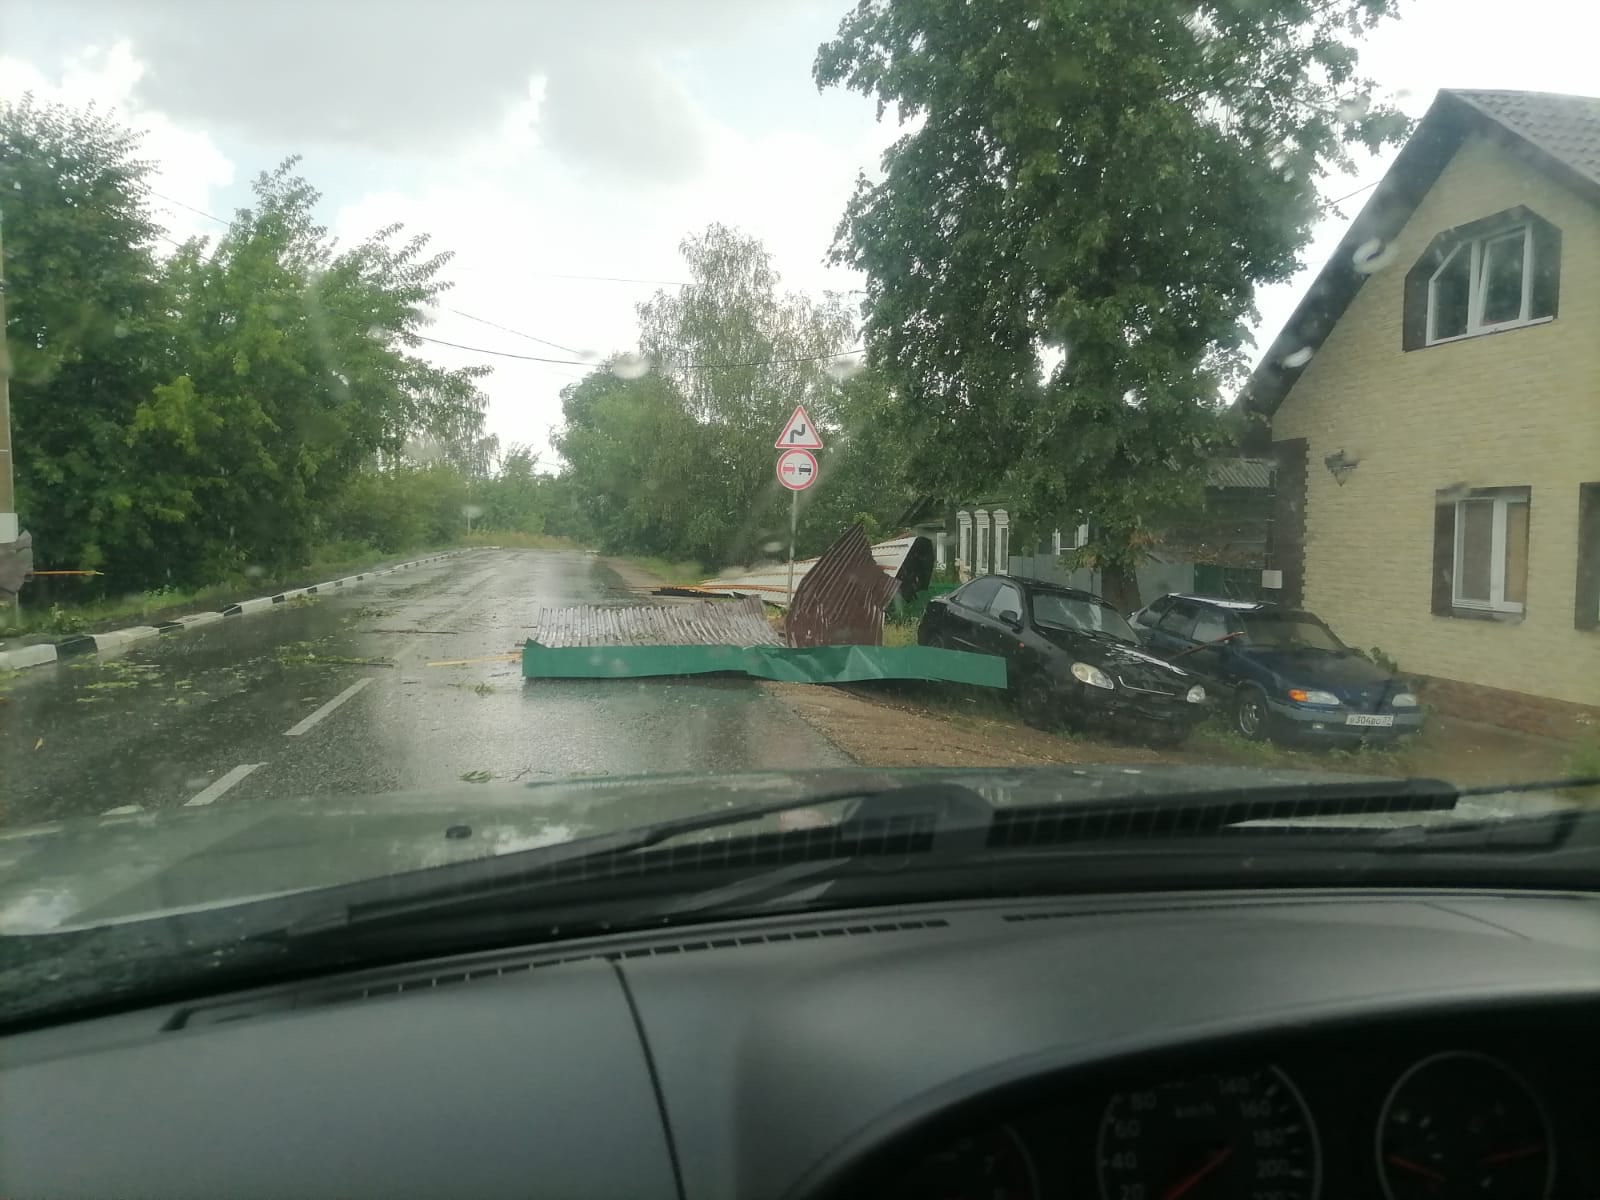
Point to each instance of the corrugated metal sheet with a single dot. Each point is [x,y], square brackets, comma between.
[908,559]
[841,600]
[705,623]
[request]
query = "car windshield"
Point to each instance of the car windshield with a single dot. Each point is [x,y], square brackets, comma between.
[1055,610]
[442,430]
[1288,631]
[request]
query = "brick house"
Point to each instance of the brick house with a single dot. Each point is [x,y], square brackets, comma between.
[1434,409]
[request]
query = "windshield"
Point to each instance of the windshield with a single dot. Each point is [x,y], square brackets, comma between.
[1052,610]
[438,432]
[1288,631]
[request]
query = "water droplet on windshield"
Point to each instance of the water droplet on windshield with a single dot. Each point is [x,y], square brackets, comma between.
[630,366]
[254,571]
[1354,110]
[1298,358]
[771,547]
[1373,256]
[844,367]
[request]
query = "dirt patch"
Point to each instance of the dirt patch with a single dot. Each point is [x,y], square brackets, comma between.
[635,576]
[882,728]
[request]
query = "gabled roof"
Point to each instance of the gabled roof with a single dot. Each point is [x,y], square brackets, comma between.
[1554,133]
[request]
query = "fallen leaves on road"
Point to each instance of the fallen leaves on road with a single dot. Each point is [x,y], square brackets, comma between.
[39,745]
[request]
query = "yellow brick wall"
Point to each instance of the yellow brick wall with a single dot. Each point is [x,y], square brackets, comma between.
[1517,408]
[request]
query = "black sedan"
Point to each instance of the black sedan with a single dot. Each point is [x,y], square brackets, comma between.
[1070,657]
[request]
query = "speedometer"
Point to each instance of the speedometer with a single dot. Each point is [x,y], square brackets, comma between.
[1243,1135]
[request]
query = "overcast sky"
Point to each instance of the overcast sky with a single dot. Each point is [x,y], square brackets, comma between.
[546,139]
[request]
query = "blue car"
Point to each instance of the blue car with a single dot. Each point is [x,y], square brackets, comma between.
[1279,673]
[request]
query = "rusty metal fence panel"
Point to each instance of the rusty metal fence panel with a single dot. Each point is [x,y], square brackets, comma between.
[841,600]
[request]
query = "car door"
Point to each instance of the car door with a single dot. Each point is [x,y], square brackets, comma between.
[997,634]
[968,616]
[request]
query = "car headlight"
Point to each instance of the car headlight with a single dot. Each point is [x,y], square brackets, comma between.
[1402,700]
[1092,675]
[1196,695]
[1312,696]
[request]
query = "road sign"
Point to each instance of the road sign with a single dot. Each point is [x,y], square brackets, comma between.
[797,469]
[799,433]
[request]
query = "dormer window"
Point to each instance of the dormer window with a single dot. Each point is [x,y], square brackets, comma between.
[1499,273]
[1484,284]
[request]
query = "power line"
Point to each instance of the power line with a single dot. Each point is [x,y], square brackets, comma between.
[199,212]
[693,366]
[1349,195]
[517,332]
[609,278]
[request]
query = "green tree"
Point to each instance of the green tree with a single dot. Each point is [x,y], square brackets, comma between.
[741,354]
[85,330]
[291,376]
[1064,249]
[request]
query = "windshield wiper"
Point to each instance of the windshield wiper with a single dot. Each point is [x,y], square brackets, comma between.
[929,824]
[888,820]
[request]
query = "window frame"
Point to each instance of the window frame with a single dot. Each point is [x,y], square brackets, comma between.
[993,608]
[1477,285]
[1586,598]
[1496,603]
[962,595]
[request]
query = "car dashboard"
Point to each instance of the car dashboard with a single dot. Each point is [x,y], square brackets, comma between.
[1271,1045]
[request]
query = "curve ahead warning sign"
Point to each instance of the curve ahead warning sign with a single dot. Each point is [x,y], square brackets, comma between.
[797,469]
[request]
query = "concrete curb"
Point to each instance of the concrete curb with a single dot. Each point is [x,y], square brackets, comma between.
[116,639]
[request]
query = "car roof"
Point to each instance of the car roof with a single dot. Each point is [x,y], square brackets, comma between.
[1043,585]
[1214,602]
[1264,607]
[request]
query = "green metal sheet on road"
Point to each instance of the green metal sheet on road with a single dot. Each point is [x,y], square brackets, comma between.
[818,664]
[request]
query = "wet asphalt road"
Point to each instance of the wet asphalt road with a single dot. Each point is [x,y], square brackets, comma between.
[361,692]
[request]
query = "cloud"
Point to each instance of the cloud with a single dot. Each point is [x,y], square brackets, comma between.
[187,164]
[409,77]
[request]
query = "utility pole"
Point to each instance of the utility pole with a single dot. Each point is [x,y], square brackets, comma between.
[8,496]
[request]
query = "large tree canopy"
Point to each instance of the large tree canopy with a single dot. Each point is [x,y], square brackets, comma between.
[181,420]
[1064,249]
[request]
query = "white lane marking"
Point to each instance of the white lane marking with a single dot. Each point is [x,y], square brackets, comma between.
[316,717]
[221,785]
[122,810]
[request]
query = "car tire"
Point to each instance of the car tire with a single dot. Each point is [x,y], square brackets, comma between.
[1037,702]
[1250,715]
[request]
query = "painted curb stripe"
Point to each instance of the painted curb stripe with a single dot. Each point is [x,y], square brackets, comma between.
[93,643]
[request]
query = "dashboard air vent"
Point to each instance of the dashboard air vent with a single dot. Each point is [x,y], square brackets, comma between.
[394,985]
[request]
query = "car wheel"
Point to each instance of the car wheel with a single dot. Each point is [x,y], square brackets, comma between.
[1036,701]
[1250,714]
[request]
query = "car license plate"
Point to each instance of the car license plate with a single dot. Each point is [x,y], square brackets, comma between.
[1368,719]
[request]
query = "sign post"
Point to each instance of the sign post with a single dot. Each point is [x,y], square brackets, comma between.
[797,470]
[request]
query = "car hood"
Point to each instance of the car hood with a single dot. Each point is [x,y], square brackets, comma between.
[1137,666]
[103,870]
[1340,673]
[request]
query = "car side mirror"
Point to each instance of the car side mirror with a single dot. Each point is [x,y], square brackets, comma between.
[1013,619]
